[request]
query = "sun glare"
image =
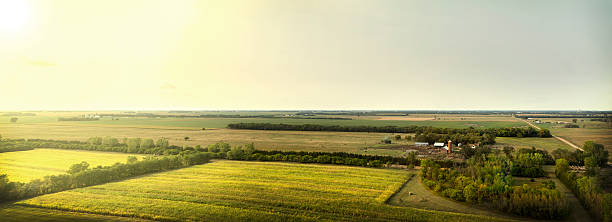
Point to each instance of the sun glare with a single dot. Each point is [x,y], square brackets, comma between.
[13,15]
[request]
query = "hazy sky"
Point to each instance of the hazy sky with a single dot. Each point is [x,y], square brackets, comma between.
[306,54]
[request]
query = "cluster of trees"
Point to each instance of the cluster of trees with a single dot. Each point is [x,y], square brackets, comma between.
[489,180]
[80,175]
[505,132]
[587,189]
[528,165]
[571,125]
[13,145]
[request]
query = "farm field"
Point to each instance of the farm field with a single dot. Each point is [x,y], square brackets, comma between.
[548,144]
[222,122]
[24,166]
[265,140]
[257,191]
[21,213]
[579,135]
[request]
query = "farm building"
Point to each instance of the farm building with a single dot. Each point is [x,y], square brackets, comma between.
[421,143]
[438,144]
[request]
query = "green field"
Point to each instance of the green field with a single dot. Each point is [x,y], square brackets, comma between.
[548,144]
[254,191]
[24,166]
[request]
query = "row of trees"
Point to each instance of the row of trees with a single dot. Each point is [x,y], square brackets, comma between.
[13,145]
[80,175]
[107,144]
[340,158]
[587,189]
[489,180]
[502,132]
[469,138]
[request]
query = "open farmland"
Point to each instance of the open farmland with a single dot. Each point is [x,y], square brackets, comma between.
[255,191]
[24,166]
[579,135]
[266,140]
[548,144]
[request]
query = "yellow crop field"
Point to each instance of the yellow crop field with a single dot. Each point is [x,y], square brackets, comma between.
[23,166]
[253,191]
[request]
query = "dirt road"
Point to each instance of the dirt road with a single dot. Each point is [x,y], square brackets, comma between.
[556,137]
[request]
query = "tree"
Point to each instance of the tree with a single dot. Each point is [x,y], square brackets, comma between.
[249,149]
[508,150]
[14,120]
[398,137]
[133,145]
[186,138]
[236,153]
[597,151]
[78,167]
[147,143]
[132,159]
[386,140]
[592,168]
[408,137]
[574,120]
[544,133]
[162,143]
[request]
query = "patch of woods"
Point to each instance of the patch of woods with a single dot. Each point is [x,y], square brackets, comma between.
[81,175]
[487,179]
[423,133]
[587,185]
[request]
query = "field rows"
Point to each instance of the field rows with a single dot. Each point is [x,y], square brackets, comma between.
[231,190]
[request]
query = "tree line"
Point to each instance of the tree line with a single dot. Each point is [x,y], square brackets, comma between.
[80,175]
[501,132]
[588,190]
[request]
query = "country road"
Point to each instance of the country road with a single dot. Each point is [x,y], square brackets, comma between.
[559,138]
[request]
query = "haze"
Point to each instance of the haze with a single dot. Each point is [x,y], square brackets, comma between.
[306,55]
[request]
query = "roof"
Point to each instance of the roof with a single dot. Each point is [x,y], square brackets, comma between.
[421,143]
[438,144]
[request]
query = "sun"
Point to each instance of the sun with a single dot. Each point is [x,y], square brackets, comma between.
[13,15]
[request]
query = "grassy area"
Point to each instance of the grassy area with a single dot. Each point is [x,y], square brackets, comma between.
[579,135]
[548,144]
[24,166]
[254,191]
[415,194]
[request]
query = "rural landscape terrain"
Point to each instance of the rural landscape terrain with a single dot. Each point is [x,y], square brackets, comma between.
[305,165]
[306,110]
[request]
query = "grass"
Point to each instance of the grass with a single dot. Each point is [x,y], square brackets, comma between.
[24,166]
[254,191]
[548,144]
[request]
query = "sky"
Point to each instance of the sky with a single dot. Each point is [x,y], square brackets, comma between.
[299,55]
